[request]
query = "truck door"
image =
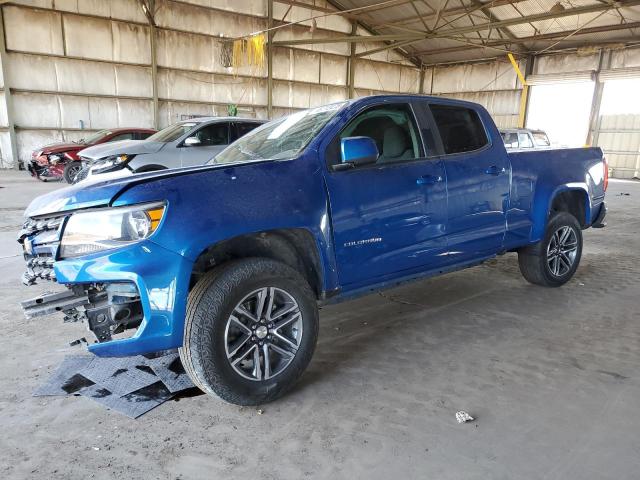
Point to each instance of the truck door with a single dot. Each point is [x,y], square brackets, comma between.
[478,177]
[388,217]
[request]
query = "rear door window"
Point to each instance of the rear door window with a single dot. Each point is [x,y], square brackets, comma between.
[122,136]
[240,129]
[541,139]
[142,135]
[510,139]
[525,140]
[214,134]
[461,129]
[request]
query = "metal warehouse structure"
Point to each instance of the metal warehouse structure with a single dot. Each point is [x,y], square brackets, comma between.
[74,66]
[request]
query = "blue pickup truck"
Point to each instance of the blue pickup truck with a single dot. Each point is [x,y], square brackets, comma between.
[229,261]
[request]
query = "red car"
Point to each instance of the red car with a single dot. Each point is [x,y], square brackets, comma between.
[60,160]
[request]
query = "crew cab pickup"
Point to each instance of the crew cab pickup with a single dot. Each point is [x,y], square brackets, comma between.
[228,262]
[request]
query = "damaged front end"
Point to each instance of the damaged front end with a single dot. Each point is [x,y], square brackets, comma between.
[111,310]
[108,310]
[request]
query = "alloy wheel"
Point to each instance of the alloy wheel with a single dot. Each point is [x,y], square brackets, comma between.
[263,333]
[562,251]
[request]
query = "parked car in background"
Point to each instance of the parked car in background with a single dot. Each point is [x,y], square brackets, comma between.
[183,144]
[524,138]
[60,160]
[229,261]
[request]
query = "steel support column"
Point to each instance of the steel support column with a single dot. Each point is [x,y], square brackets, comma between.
[270,59]
[154,77]
[351,64]
[526,93]
[593,134]
[13,144]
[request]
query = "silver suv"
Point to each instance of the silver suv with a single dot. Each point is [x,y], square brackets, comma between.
[183,144]
[524,138]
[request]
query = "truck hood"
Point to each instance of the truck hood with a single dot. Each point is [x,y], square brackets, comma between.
[102,193]
[129,147]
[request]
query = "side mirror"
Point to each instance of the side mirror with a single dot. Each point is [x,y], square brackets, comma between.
[356,151]
[192,142]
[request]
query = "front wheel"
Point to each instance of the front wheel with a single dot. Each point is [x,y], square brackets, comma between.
[250,330]
[71,169]
[554,260]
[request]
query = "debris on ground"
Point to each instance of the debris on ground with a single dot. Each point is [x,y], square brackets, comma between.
[464,417]
[624,194]
[130,385]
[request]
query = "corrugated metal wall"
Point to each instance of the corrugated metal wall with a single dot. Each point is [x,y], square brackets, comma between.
[86,64]
[619,133]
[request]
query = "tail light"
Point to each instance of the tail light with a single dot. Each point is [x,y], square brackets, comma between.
[605,165]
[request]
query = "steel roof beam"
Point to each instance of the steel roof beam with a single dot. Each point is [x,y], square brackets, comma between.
[468,29]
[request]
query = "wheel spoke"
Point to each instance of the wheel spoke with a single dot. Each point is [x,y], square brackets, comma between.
[244,355]
[566,261]
[288,342]
[283,311]
[238,323]
[267,361]
[286,321]
[262,299]
[241,344]
[257,371]
[556,266]
[246,313]
[281,351]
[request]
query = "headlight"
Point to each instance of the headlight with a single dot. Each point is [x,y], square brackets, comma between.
[114,162]
[96,230]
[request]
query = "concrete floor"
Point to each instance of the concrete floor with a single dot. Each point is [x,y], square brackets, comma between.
[550,375]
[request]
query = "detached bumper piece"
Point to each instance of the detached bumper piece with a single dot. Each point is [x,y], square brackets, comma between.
[129,385]
[108,309]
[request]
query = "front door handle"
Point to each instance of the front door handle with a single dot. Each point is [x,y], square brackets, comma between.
[429,179]
[494,170]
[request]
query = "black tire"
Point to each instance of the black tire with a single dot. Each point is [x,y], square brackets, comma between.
[209,306]
[71,169]
[82,174]
[534,262]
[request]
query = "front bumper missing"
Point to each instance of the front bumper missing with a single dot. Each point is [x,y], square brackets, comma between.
[50,303]
[107,309]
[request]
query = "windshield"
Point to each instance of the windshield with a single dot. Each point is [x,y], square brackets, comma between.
[95,137]
[172,132]
[280,139]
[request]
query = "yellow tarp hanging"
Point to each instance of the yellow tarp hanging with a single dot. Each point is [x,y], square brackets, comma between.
[250,51]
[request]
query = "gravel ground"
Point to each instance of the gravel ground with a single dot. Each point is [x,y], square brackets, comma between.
[551,376]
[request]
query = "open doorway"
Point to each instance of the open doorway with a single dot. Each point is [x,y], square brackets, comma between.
[562,110]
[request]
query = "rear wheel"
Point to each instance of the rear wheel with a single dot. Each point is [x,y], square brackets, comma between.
[554,260]
[71,169]
[250,331]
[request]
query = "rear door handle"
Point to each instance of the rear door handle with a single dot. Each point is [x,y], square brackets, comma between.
[429,179]
[494,170]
